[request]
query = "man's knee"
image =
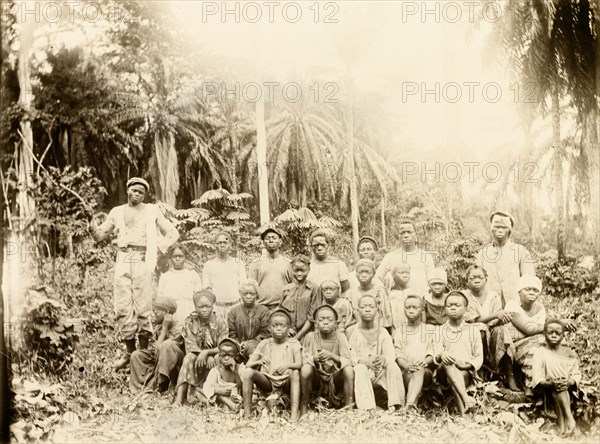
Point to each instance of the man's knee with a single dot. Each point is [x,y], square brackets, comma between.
[348,373]
[247,374]
[306,372]
[189,359]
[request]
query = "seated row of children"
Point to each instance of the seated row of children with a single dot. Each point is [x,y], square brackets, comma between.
[395,340]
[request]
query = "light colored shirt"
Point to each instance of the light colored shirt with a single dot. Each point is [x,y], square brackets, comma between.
[550,364]
[330,269]
[491,305]
[397,298]
[224,278]
[504,266]
[181,286]
[361,349]
[536,320]
[414,344]
[463,343]
[421,266]
[272,275]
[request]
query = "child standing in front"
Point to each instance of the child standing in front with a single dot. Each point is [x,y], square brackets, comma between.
[400,272]
[179,283]
[365,272]
[275,364]
[413,341]
[300,298]
[330,295]
[435,311]
[223,275]
[459,351]
[555,370]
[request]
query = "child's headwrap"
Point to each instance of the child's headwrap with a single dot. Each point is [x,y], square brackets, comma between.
[502,219]
[366,263]
[325,307]
[232,342]
[369,239]
[529,281]
[336,283]
[165,303]
[438,275]
[281,311]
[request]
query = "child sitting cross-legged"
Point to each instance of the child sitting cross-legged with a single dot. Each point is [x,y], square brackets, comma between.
[458,351]
[275,364]
[330,295]
[223,384]
[327,361]
[413,341]
[373,357]
[554,371]
[201,333]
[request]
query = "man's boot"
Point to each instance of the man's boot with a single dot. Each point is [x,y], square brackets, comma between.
[124,361]
[143,341]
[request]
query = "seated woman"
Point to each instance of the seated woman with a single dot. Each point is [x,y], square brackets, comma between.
[515,342]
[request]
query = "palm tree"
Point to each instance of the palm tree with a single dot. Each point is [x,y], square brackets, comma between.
[551,43]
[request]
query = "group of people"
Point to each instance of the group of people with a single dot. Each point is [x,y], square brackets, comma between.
[308,327]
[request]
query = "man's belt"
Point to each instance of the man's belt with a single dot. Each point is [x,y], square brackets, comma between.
[130,247]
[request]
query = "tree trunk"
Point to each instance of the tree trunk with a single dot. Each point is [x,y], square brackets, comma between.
[20,266]
[354,211]
[558,177]
[261,159]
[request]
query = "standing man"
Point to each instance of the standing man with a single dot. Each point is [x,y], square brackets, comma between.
[137,225]
[420,261]
[504,260]
[272,271]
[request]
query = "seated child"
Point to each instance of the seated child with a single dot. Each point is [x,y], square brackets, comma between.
[248,322]
[511,345]
[413,341]
[275,364]
[373,357]
[555,370]
[158,367]
[179,282]
[330,295]
[327,362]
[458,351]
[435,312]
[223,383]
[202,331]
[300,298]
[365,272]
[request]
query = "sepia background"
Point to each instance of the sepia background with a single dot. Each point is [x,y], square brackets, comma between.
[342,115]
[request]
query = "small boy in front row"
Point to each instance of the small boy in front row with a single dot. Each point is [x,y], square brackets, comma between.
[555,369]
[223,384]
[459,351]
[327,361]
[275,364]
[413,341]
